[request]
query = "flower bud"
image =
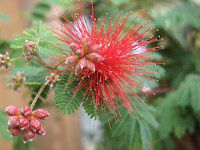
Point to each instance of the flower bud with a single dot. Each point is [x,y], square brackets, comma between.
[52,79]
[28,135]
[94,56]
[79,52]
[77,68]
[74,47]
[14,131]
[41,114]
[35,124]
[91,66]
[71,59]
[26,111]
[41,131]
[12,110]
[30,46]
[82,63]
[4,60]
[29,50]
[24,137]
[13,121]
[23,123]
[17,81]
[95,48]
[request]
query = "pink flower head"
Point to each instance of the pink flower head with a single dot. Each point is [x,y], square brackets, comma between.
[105,57]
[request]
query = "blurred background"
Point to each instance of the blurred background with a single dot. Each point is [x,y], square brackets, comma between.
[174,120]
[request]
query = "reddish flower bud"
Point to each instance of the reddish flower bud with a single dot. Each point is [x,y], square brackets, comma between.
[82,63]
[24,137]
[41,114]
[35,124]
[26,111]
[24,122]
[91,66]
[30,46]
[74,47]
[77,68]
[13,121]
[28,135]
[71,59]
[41,131]
[14,131]
[94,56]
[79,52]
[4,60]
[12,110]
[96,48]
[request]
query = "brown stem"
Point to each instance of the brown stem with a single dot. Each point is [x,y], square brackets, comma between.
[38,94]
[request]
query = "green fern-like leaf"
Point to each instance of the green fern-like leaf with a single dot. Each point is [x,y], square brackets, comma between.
[44,39]
[139,127]
[66,101]
[90,108]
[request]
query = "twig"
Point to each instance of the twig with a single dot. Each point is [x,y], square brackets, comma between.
[38,94]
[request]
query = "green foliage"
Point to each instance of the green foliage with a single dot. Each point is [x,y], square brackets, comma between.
[174,120]
[188,93]
[177,19]
[66,100]
[3,126]
[179,118]
[90,108]
[119,2]
[44,39]
[40,10]
[135,129]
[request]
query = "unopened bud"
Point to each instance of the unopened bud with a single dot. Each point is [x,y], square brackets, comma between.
[29,50]
[94,56]
[96,48]
[52,79]
[12,110]
[41,131]
[71,59]
[17,81]
[13,121]
[28,135]
[82,63]
[35,124]
[30,46]
[4,60]
[74,47]
[91,66]
[14,131]
[41,114]
[24,122]
[79,52]
[77,68]
[26,111]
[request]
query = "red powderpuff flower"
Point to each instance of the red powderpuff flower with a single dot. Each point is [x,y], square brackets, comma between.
[110,59]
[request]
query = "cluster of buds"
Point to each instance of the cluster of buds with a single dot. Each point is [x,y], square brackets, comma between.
[24,121]
[17,81]
[52,79]
[84,56]
[4,60]
[29,50]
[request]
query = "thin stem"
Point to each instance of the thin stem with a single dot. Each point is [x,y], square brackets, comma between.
[38,94]
[32,83]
